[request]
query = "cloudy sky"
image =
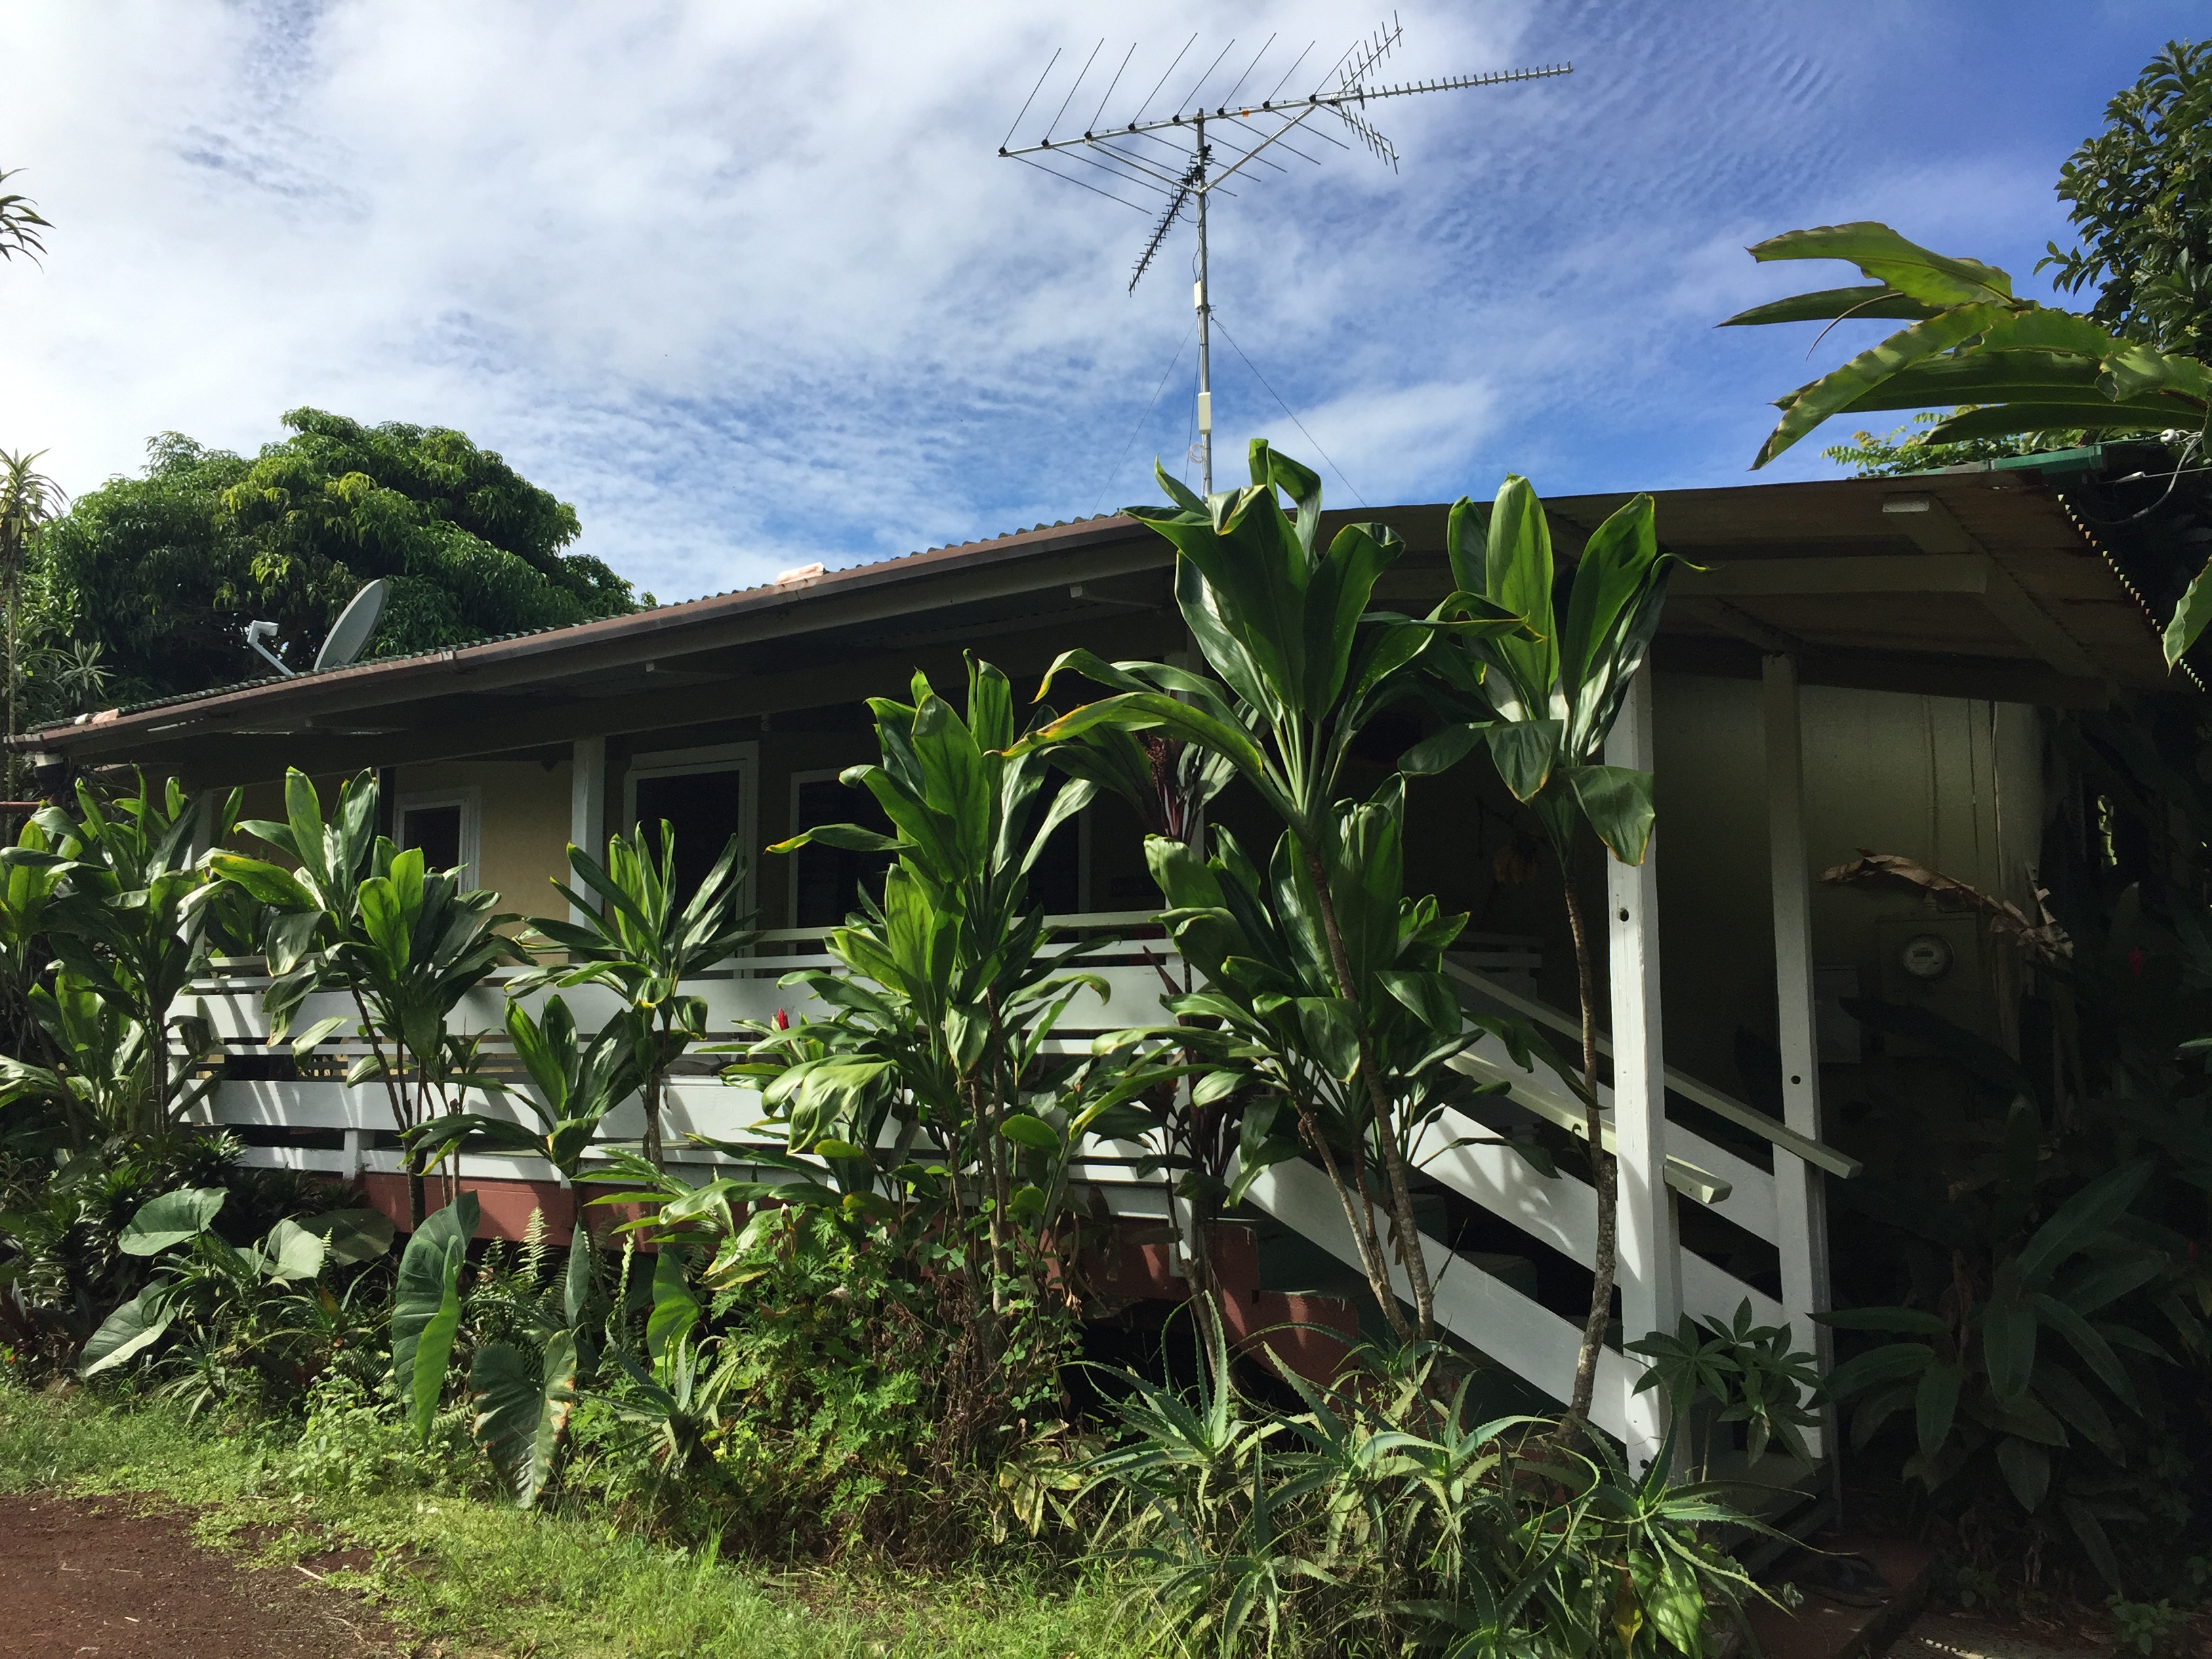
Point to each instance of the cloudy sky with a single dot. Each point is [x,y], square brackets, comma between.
[748,285]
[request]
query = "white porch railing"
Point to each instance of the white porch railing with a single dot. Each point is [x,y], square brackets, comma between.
[1513,1329]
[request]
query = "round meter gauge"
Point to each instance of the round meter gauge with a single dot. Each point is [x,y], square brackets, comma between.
[1925,955]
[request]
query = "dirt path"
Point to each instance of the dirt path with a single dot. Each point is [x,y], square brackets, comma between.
[94,1576]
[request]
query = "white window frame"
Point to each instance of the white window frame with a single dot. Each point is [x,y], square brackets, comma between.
[469,799]
[744,759]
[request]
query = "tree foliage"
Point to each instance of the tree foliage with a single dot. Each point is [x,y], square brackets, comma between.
[164,571]
[2142,195]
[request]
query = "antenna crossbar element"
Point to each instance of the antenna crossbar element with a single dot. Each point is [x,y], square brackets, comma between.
[1245,133]
[1286,108]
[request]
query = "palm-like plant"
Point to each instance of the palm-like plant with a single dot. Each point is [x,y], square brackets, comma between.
[19,224]
[356,914]
[642,940]
[1544,707]
[1285,624]
[30,501]
[575,1089]
[130,924]
[2002,364]
[946,1037]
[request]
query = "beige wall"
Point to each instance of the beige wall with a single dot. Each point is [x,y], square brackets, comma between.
[522,826]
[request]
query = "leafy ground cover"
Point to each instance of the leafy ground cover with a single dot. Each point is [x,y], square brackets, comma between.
[454,1573]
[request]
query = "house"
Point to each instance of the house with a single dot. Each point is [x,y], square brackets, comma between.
[1853,665]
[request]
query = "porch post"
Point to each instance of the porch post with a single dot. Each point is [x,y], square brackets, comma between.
[588,802]
[1650,1275]
[1801,1199]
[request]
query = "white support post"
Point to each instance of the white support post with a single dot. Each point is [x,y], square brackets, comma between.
[1650,1272]
[1801,1199]
[588,802]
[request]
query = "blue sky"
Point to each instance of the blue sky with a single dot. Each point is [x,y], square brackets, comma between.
[748,286]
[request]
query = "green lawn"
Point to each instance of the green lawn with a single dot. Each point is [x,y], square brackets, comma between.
[479,1573]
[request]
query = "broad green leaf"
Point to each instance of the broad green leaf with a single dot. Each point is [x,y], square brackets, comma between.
[2189,616]
[675,1309]
[2026,1470]
[1827,304]
[1026,1130]
[2008,1343]
[1618,802]
[2082,1337]
[577,1283]
[2009,420]
[1336,599]
[2079,1220]
[291,1252]
[426,1309]
[1915,271]
[1837,390]
[1935,1405]
[523,1406]
[351,1236]
[171,1218]
[1516,577]
[1441,751]
[1524,752]
[132,1329]
[1896,1362]
[2099,1548]
[1429,995]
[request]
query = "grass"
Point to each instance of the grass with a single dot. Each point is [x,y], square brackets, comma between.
[463,1572]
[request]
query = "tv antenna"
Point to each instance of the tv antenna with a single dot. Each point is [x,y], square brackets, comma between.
[349,635]
[1172,157]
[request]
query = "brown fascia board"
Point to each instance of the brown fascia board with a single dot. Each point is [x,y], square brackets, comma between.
[1037,558]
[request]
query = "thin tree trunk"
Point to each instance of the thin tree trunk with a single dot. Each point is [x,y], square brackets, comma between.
[1372,1262]
[1603,1168]
[417,1197]
[1393,1162]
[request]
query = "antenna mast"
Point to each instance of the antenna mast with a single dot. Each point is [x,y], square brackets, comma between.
[1131,152]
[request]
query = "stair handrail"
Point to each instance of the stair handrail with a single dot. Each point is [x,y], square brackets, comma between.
[1817,1153]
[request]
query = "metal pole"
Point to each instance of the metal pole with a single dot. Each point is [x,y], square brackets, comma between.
[1205,366]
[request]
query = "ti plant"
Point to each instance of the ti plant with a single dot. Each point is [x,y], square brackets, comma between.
[574,1089]
[129,930]
[932,1076]
[642,938]
[2016,365]
[356,914]
[1543,707]
[1285,624]
[1271,1013]
[2000,1370]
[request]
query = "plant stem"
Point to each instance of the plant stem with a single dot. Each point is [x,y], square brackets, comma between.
[1603,1168]
[1386,1127]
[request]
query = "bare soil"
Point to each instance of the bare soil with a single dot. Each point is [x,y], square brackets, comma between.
[97,1577]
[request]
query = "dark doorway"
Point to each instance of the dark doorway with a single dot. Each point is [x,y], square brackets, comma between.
[701,809]
[436,829]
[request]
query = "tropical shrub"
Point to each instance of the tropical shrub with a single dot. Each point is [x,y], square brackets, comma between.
[1381,1519]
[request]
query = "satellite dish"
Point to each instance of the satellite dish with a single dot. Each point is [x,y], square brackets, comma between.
[350,635]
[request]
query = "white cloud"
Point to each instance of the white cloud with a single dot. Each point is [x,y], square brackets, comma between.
[747,285]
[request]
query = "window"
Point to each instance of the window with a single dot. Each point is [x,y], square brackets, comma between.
[826,881]
[444,826]
[705,796]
